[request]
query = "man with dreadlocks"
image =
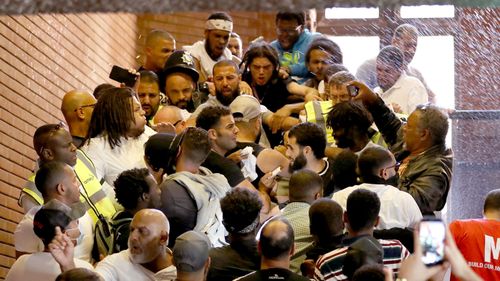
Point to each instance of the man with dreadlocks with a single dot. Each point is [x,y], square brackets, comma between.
[117,133]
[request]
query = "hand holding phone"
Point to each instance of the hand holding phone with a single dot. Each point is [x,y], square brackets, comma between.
[432,233]
[123,75]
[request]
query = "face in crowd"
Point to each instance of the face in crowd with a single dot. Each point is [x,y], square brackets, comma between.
[137,126]
[149,96]
[288,32]
[159,52]
[261,69]
[179,89]
[216,42]
[295,153]
[226,81]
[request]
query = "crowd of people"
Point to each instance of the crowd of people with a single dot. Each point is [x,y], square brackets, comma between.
[271,162]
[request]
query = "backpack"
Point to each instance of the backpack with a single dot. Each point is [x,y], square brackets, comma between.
[111,235]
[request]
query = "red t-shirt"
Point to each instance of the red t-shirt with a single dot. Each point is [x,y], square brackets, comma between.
[479,242]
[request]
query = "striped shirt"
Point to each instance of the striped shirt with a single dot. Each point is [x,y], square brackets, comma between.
[329,266]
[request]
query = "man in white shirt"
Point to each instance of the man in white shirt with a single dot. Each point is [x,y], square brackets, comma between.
[377,167]
[214,48]
[57,182]
[41,265]
[405,38]
[148,257]
[398,90]
[117,134]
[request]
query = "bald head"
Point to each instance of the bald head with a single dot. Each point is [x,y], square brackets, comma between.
[276,239]
[171,114]
[152,217]
[77,107]
[159,46]
[74,99]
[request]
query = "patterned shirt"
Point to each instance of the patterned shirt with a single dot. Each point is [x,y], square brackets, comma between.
[329,266]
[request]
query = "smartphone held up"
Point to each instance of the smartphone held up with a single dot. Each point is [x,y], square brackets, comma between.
[123,75]
[432,234]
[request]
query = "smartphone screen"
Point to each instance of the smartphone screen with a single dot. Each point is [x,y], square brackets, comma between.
[432,235]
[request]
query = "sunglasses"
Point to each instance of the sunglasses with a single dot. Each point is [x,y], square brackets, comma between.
[87,105]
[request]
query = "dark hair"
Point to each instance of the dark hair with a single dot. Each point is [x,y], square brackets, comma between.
[492,201]
[79,274]
[48,176]
[223,63]
[100,88]
[328,46]
[240,208]
[220,16]
[148,76]
[312,135]
[369,272]
[371,160]
[435,120]
[42,136]
[349,114]
[195,144]
[112,115]
[276,244]
[210,116]
[391,55]
[325,219]
[344,170]
[129,187]
[303,185]
[45,222]
[259,50]
[289,15]
[362,208]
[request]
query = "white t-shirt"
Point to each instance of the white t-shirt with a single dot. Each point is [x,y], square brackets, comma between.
[26,241]
[197,50]
[37,267]
[109,163]
[119,267]
[397,208]
[407,92]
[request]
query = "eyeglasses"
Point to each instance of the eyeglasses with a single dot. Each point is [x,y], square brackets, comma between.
[50,134]
[395,166]
[87,105]
[280,31]
[177,122]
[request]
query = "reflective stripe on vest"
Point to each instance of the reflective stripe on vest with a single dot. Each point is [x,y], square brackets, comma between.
[316,112]
[92,189]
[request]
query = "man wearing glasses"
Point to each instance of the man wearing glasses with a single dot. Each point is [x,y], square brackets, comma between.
[77,107]
[292,43]
[420,146]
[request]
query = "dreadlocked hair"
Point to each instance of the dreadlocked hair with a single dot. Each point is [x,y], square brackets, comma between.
[112,115]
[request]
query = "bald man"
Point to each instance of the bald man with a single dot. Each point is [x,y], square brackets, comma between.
[77,107]
[159,46]
[173,115]
[147,256]
[275,246]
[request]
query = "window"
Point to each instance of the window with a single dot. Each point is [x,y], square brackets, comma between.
[428,11]
[351,13]
[357,49]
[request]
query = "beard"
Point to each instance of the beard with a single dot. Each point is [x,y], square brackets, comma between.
[299,163]
[394,180]
[225,99]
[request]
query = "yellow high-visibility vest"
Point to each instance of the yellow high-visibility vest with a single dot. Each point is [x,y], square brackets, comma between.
[92,190]
[317,112]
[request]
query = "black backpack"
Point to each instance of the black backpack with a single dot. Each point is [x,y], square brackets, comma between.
[111,235]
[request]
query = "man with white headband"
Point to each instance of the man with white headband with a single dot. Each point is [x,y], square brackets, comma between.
[214,48]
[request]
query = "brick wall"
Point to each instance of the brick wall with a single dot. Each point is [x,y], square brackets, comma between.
[188,28]
[42,57]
